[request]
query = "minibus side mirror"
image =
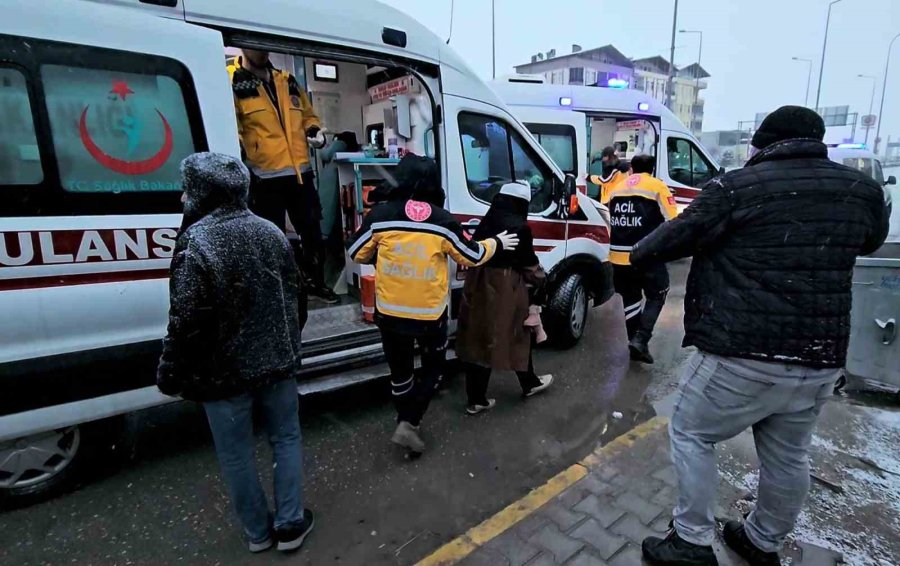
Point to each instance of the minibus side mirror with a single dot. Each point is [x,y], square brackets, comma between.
[721,170]
[891,180]
[569,198]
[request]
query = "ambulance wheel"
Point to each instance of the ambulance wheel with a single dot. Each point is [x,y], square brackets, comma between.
[43,465]
[567,311]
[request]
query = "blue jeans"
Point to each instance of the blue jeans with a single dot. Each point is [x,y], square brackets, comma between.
[231,421]
[720,398]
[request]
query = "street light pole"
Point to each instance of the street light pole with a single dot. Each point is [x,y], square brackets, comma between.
[696,75]
[824,45]
[808,78]
[672,59]
[871,101]
[887,65]
[493,39]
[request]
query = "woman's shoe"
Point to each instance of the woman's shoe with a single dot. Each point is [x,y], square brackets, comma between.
[475,409]
[408,437]
[546,382]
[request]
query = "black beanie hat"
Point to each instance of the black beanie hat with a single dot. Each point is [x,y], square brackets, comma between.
[789,122]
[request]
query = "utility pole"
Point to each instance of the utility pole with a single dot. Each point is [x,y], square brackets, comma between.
[672,59]
[494,38]
[824,44]
[887,66]
[808,77]
[871,101]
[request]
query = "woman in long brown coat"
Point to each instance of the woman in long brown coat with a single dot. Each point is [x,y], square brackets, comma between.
[492,331]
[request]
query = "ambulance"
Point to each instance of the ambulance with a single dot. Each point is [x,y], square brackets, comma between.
[575,123]
[102,100]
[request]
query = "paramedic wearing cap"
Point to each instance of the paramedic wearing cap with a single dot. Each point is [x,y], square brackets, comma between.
[613,171]
[277,126]
[638,204]
[409,238]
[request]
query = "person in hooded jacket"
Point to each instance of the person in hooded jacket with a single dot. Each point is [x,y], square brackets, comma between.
[409,237]
[495,304]
[233,343]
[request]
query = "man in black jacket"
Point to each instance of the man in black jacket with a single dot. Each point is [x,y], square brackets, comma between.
[234,342]
[768,307]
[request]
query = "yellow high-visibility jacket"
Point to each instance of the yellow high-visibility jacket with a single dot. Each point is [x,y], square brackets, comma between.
[409,242]
[273,139]
[638,204]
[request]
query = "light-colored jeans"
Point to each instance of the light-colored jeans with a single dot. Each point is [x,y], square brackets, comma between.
[231,421]
[719,399]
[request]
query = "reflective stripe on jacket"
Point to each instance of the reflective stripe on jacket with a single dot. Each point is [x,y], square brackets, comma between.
[274,140]
[638,204]
[409,243]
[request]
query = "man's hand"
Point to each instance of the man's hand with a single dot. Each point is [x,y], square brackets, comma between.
[318,140]
[508,241]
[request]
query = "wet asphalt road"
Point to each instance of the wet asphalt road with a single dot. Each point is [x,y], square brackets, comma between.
[373,506]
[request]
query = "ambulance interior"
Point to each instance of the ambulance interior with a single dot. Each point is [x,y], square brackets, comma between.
[389,112]
[629,135]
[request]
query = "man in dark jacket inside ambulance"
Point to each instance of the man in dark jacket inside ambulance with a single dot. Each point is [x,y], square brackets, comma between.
[233,343]
[768,308]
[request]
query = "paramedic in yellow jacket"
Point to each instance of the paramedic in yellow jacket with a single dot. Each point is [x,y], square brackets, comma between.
[638,204]
[277,126]
[613,170]
[409,238]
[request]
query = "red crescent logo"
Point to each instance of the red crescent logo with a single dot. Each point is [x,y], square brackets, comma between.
[120,165]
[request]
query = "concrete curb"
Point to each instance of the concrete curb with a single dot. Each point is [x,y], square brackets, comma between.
[463,545]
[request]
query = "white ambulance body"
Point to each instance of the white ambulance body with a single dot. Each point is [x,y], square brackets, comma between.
[629,120]
[101,102]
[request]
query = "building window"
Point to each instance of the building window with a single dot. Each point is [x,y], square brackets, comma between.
[576,76]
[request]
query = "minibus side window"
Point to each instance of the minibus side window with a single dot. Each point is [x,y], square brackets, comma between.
[20,159]
[494,154]
[114,131]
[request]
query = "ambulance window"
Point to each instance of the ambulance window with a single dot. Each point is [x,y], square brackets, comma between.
[20,160]
[115,131]
[559,141]
[538,176]
[687,165]
[495,155]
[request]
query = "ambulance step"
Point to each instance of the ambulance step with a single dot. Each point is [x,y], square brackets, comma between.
[335,381]
[334,322]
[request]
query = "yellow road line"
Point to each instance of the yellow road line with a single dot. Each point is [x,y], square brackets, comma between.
[460,547]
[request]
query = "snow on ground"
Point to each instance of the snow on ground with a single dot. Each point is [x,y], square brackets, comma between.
[858,448]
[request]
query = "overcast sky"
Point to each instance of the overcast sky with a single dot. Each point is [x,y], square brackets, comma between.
[747,44]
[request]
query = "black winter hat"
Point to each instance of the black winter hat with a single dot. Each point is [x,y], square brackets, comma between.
[789,122]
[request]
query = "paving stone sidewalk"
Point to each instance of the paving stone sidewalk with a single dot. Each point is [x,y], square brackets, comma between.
[627,495]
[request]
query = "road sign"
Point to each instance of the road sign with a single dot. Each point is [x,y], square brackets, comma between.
[869,121]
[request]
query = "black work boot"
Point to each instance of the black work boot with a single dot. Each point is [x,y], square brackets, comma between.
[639,349]
[675,551]
[737,540]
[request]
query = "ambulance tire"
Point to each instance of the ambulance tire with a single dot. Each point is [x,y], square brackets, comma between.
[566,312]
[71,453]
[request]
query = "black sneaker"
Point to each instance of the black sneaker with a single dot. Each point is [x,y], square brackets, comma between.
[675,551]
[324,294]
[291,538]
[737,540]
[639,350]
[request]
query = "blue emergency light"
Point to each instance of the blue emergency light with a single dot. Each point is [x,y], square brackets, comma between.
[565,101]
[617,83]
[851,146]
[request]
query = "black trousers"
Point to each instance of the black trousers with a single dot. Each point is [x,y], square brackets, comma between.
[273,198]
[644,295]
[412,393]
[478,378]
